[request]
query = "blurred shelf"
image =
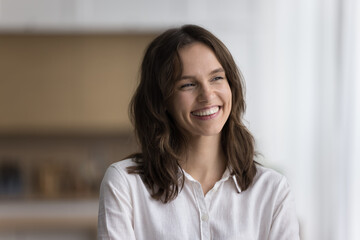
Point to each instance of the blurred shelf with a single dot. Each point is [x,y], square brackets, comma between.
[68,214]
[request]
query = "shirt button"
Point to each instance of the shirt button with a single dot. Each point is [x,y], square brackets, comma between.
[205,217]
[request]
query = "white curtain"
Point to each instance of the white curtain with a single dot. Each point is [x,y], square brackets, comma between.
[303,84]
[350,131]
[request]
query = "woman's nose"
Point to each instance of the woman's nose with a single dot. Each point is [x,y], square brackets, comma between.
[206,93]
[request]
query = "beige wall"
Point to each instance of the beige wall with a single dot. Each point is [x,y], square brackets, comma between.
[68,83]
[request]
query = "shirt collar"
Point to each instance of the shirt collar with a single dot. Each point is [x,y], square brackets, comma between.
[227,174]
[225,177]
[236,184]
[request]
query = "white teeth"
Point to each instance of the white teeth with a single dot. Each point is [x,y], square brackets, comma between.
[206,112]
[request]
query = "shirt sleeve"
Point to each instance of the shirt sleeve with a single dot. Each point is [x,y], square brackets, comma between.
[285,225]
[115,207]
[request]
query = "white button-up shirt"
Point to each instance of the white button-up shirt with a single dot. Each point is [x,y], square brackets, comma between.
[265,211]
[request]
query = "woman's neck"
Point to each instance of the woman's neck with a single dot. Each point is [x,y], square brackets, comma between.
[205,160]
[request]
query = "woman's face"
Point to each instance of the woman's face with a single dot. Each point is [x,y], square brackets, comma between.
[201,102]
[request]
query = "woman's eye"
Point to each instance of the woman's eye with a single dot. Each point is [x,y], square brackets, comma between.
[217,78]
[187,85]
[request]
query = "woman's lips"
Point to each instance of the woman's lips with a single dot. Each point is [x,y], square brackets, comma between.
[206,112]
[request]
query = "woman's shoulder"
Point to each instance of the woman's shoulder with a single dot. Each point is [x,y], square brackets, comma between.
[122,165]
[269,186]
[269,177]
[267,172]
[118,171]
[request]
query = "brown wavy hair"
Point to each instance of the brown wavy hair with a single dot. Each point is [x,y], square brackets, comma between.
[159,137]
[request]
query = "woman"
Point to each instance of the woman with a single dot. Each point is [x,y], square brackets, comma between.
[195,177]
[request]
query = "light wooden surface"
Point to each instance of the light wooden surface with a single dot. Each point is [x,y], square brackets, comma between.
[68,83]
[66,215]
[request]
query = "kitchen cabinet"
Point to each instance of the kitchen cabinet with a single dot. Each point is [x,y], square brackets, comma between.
[51,83]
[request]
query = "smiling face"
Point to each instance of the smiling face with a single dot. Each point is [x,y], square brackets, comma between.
[201,102]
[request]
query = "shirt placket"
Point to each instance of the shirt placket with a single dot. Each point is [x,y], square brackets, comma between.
[204,213]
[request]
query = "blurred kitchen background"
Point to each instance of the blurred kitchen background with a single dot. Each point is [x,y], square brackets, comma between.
[68,69]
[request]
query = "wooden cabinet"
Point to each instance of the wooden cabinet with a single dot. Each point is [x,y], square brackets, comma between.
[68,83]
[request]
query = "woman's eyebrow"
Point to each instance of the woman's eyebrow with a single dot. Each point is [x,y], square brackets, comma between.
[186,77]
[211,73]
[217,71]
